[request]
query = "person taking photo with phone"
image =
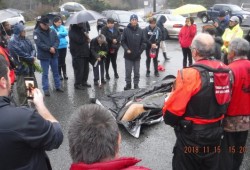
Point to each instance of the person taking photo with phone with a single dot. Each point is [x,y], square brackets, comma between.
[25,133]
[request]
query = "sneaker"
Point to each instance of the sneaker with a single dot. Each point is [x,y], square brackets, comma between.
[103,81]
[127,87]
[136,86]
[86,85]
[148,74]
[157,74]
[116,76]
[79,87]
[46,93]
[59,89]
[107,77]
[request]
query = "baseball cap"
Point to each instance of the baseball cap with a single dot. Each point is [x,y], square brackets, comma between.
[133,16]
[234,19]
[44,20]
[222,13]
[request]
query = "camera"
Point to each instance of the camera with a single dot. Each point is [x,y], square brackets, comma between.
[30,86]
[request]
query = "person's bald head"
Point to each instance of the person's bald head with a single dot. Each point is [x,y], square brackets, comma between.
[204,45]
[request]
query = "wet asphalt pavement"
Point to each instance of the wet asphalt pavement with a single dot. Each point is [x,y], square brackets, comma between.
[154,146]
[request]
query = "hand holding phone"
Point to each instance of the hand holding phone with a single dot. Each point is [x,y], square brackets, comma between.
[30,86]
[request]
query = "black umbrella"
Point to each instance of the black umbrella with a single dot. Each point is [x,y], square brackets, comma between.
[83,16]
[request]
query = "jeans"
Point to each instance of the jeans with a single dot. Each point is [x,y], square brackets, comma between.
[53,63]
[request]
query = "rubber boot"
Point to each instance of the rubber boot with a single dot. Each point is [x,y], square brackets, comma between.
[59,72]
[64,72]
[165,56]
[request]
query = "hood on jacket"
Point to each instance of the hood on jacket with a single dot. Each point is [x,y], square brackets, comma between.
[18,28]
[162,19]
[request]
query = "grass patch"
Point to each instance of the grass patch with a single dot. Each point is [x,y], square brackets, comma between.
[30,23]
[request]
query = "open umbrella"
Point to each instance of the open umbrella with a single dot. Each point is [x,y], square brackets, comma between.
[83,16]
[188,9]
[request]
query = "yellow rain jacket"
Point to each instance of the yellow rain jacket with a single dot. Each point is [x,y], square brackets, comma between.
[231,34]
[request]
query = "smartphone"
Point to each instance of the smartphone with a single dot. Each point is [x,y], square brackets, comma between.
[30,86]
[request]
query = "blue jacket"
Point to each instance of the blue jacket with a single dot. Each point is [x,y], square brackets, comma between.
[44,40]
[22,50]
[62,33]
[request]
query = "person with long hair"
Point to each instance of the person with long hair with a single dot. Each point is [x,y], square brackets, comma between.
[62,33]
[186,36]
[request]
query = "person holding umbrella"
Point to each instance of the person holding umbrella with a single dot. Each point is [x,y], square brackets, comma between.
[79,49]
[99,50]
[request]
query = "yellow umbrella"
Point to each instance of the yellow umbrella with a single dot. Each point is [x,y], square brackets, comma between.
[188,9]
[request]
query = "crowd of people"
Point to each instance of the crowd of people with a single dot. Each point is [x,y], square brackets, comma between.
[208,106]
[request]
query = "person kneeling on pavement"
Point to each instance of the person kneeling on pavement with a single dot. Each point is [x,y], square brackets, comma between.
[99,50]
[94,141]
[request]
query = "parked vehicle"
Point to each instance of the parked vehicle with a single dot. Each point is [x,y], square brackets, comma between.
[11,16]
[173,24]
[122,19]
[232,10]
[245,6]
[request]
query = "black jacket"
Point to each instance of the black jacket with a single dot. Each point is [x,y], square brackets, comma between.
[153,36]
[133,39]
[218,44]
[160,24]
[44,41]
[95,48]
[110,36]
[78,42]
[25,136]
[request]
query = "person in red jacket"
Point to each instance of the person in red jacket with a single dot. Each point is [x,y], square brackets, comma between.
[4,52]
[237,119]
[196,107]
[186,36]
[94,141]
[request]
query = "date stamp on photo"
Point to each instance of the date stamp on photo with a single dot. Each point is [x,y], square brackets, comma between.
[213,149]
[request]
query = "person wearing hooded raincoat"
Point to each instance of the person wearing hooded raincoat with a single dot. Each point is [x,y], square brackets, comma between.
[234,31]
[160,24]
[24,54]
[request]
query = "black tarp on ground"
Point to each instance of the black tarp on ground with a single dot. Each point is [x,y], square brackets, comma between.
[152,97]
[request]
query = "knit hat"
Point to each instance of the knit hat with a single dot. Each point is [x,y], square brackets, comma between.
[133,16]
